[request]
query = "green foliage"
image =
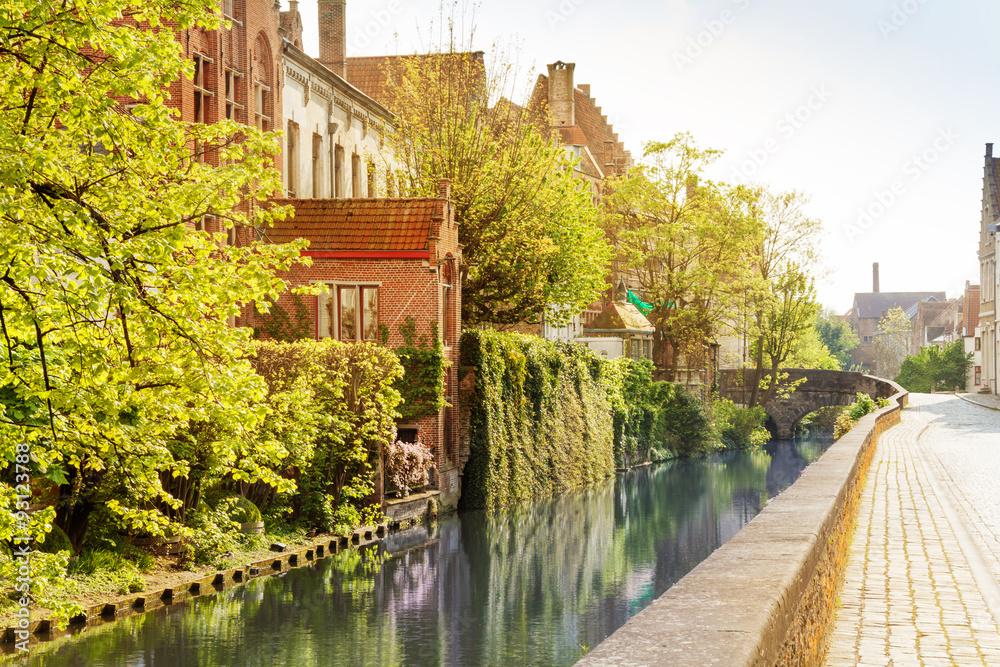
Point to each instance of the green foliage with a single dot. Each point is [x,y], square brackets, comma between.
[239,509]
[422,383]
[540,419]
[864,405]
[114,310]
[629,386]
[809,351]
[892,343]
[330,409]
[838,337]
[529,228]
[274,321]
[683,423]
[739,427]
[936,368]
[55,542]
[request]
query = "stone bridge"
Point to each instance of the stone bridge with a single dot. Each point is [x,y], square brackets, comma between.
[820,389]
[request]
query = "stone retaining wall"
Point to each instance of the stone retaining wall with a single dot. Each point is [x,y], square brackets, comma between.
[766,597]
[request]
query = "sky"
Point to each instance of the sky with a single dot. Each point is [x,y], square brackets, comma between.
[878,110]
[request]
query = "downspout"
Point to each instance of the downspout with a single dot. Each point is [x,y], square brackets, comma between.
[329,132]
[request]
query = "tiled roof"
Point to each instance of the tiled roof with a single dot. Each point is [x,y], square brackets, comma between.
[372,75]
[873,304]
[972,310]
[377,225]
[621,316]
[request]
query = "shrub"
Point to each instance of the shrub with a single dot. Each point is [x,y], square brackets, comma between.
[55,541]
[740,427]
[239,509]
[408,464]
[682,424]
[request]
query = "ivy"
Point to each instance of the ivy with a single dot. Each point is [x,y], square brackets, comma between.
[540,419]
[422,384]
[278,325]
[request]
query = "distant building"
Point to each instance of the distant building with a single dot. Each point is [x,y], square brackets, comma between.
[972,335]
[988,277]
[868,310]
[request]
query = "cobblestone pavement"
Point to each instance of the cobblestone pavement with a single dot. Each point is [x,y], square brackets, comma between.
[921,585]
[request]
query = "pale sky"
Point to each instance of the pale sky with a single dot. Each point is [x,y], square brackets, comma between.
[865,105]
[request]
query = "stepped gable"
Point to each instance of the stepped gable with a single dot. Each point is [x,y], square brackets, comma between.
[360,225]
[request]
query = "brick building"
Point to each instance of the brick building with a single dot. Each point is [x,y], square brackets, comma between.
[868,310]
[381,261]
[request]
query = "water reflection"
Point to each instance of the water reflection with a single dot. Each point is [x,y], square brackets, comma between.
[538,585]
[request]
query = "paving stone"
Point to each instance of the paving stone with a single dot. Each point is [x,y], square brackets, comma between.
[911,595]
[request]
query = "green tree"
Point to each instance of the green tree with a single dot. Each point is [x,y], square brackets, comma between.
[786,316]
[113,311]
[528,227]
[838,337]
[686,244]
[938,368]
[780,293]
[811,352]
[892,343]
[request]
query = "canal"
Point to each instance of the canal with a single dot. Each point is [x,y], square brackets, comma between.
[537,585]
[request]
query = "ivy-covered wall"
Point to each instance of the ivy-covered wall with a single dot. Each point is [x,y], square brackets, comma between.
[540,420]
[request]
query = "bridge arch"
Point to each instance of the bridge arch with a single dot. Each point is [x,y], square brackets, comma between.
[819,389]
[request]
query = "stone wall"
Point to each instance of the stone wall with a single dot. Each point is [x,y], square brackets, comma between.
[766,597]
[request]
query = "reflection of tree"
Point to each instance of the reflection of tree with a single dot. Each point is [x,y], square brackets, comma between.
[527,586]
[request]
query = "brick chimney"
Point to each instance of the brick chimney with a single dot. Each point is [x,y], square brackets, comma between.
[875,277]
[989,150]
[444,189]
[562,105]
[333,35]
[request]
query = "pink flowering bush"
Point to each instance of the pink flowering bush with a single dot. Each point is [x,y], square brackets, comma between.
[408,464]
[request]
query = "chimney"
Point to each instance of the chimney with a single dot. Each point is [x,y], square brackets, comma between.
[333,35]
[875,277]
[444,189]
[561,103]
[989,150]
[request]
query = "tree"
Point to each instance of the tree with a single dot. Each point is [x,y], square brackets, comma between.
[892,343]
[838,337]
[527,226]
[120,372]
[811,352]
[785,318]
[779,298]
[935,368]
[686,244]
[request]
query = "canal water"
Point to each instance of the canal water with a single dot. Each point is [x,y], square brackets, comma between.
[537,585]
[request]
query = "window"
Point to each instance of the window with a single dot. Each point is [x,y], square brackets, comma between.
[232,107]
[636,349]
[201,97]
[293,159]
[370,171]
[338,172]
[317,165]
[979,345]
[355,176]
[261,94]
[349,313]
[227,8]
[390,186]
[979,375]
[447,282]
[646,352]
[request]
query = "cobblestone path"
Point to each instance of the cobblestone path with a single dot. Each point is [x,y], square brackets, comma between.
[921,585]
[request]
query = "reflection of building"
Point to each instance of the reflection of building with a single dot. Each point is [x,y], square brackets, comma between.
[869,309]
[382,261]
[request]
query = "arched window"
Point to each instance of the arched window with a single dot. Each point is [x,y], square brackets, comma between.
[263,99]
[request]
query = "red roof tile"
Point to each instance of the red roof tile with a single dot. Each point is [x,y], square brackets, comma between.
[373,75]
[360,225]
